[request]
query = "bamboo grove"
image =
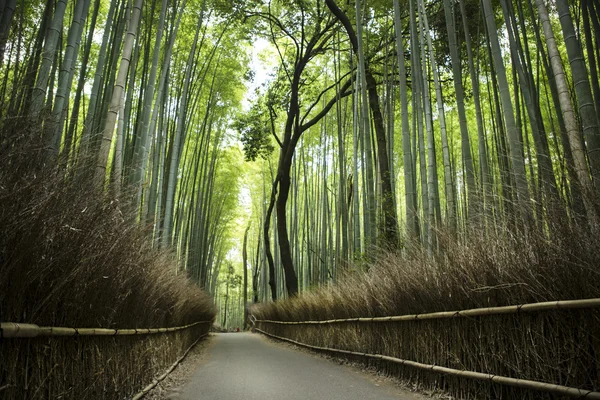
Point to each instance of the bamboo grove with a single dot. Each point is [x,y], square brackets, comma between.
[134,96]
[393,122]
[381,124]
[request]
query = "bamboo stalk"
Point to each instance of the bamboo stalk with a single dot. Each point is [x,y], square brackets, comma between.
[10,329]
[163,376]
[474,312]
[504,380]
[18,330]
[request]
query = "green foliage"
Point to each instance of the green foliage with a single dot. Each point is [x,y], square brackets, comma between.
[254,128]
[232,280]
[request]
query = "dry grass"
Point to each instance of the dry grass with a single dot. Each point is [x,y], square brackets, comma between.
[70,256]
[503,268]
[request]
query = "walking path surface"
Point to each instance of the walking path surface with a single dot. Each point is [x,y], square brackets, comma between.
[248,366]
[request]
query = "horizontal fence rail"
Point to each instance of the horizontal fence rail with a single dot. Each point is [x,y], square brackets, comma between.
[505,380]
[18,330]
[474,312]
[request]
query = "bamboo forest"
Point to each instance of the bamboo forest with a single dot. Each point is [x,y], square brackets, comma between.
[191,191]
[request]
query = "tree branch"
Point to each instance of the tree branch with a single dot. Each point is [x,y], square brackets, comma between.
[344,92]
[322,94]
[343,18]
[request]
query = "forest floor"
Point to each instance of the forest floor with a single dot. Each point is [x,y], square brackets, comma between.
[231,366]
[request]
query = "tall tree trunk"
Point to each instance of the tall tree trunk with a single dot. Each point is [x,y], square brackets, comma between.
[51,47]
[5,25]
[586,6]
[293,130]
[140,153]
[267,238]
[409,189]
[157,163]
[117,93]
[342,231]
[432,175]
[514,136]
[449,185]
[226,300]
[587,111]
[523,67]
[74,116]
[462,114]
[95,92]
[568,113]
[117,172]
[417,89]
[573,191]
[370,217]
[159,108]
[256,272]
[355,172]
[177,140]
[506,176]
[485,177]
[390,230]
[55,128]
[291,280]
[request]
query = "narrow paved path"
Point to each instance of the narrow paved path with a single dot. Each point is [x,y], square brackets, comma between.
[248,366]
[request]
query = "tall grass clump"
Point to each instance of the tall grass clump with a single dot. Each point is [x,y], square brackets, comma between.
[72,255]
[506,266]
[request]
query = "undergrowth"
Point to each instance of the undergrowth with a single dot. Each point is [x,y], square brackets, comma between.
[504,266]
[501,267]
[72,256]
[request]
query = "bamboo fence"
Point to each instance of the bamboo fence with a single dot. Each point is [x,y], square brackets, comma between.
[111,367]
[17,330]
[474,312]
[156,381]
[522,383]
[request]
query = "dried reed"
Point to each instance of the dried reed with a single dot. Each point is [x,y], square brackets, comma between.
[72,256]
[501,268]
